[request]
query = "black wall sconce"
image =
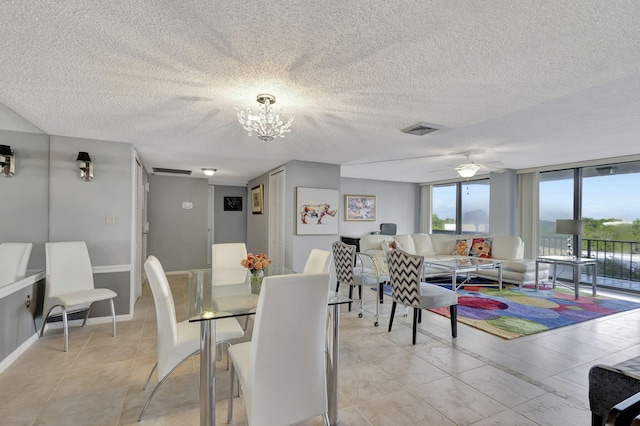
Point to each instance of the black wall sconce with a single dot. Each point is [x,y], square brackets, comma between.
[7,161]
[85,165]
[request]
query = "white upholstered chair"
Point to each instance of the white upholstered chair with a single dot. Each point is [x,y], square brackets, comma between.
[318,261]
[282,370]
[14,258]
[228,255]
[407,288]
[69,285]
[177,341]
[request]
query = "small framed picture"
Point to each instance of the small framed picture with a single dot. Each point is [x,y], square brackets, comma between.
[233,204]
[257,200]
[360,207]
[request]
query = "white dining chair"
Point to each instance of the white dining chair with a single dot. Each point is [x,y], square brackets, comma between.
[69,285]
[318,261]
[227,255]
[177,341]
[14,258]
[282,369]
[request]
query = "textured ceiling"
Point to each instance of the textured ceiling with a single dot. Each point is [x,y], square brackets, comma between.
[518,84]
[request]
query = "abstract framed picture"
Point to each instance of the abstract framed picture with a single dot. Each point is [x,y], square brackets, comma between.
[316,210]
[257,200]
[232,204]
[360,207]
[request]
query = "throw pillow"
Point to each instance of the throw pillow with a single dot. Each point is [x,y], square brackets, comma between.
[380,265]
[462,247]
[481,247]
[389,245]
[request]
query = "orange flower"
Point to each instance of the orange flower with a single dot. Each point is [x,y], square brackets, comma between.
[255,262]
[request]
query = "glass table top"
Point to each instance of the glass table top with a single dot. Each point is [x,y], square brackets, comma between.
[464,263]
[226,292]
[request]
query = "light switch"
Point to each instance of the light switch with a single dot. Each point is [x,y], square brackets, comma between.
[187,205]
[111,218]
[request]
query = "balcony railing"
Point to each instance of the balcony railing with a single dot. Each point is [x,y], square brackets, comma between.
[615,259]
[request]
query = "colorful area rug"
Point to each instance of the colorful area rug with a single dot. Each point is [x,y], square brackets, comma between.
[518,312]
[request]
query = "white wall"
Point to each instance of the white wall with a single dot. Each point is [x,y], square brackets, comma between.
[503,204]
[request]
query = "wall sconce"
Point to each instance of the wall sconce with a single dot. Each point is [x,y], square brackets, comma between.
[7,161]
[85,165]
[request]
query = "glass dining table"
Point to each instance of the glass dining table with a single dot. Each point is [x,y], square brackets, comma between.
[226,293]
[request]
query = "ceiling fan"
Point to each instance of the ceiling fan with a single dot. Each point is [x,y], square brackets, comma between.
[470,168]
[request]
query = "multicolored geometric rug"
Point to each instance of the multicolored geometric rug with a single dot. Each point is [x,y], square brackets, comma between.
[518,312]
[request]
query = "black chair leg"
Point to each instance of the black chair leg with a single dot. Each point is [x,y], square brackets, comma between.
[419,316]
[416,313]
[453,313]
[393,312]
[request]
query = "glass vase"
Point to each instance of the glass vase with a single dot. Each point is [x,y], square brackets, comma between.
[256,280]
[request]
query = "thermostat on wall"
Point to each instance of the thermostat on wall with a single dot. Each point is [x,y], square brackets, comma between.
[187,205]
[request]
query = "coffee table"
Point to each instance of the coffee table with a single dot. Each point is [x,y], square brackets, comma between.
[575,263]
[465,266]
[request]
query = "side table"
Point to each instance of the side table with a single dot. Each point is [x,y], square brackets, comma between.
[575,263]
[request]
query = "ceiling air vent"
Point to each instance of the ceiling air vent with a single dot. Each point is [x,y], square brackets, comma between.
[422,128]
[171,171]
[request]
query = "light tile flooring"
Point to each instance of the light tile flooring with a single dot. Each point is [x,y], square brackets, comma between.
[476,379]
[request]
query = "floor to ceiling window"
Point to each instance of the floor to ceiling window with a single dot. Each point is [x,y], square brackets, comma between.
[607,201]
[461,208]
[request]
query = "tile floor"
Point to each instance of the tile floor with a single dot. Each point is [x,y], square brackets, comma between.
[477,379]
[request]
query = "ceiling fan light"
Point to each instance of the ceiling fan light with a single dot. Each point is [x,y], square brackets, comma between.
[467,170]
[209,171]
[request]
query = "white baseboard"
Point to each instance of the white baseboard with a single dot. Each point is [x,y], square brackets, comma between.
[19,351]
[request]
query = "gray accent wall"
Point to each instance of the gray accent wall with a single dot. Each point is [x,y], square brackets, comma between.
[396,202]
[308,175]
[78,209]
[178,236]
[25,196]
[230,226]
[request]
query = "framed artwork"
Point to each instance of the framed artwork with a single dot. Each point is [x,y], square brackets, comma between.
[360,207]
[316,211]
[257,200]
[233,204]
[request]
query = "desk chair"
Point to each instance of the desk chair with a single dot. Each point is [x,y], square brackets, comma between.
[177,341]
[282,370]
[69,285]
[405,271]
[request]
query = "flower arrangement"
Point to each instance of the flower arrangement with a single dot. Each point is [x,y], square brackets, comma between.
[255,262]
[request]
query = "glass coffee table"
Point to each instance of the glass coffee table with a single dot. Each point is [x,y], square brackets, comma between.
[576,263]
[465,266]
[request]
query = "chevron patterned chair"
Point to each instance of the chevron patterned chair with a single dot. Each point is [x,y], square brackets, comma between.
[344,257]
[405,271]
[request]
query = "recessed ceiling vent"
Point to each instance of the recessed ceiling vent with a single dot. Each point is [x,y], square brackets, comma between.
[171,171]
[422,128]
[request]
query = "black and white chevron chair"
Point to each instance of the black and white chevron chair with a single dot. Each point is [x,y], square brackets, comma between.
[344,256]
[405,271]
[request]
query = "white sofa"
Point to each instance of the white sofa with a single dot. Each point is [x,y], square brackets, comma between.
[508,249]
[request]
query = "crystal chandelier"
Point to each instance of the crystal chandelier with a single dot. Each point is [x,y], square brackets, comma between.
[265,123]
